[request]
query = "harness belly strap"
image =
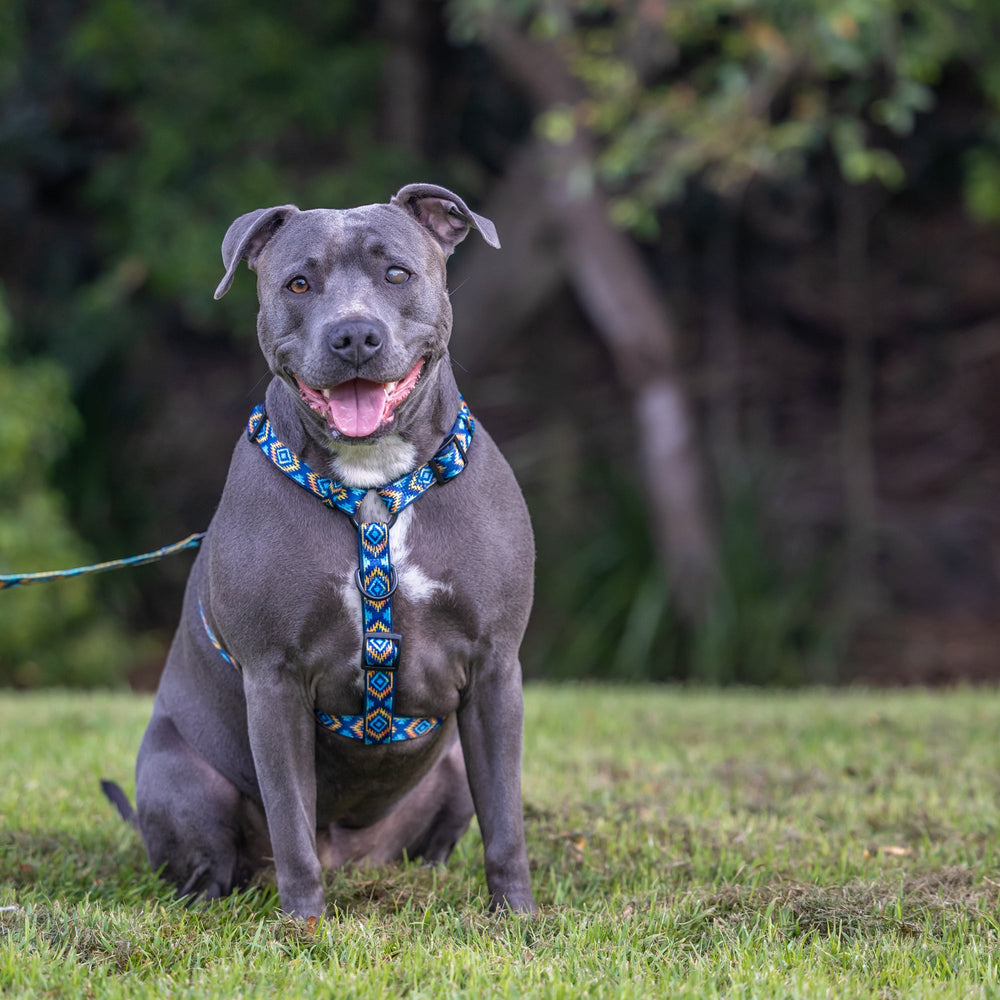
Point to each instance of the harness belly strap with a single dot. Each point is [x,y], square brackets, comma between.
[352,726]
[376,577]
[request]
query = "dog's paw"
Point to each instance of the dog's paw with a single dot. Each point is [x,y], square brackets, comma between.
[518,902]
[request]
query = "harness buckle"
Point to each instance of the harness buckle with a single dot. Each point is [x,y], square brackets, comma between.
[393,582]
[255,423]
[437,464]
[396,637]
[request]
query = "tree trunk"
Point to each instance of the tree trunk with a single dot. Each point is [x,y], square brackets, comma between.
[494,295]
[613,286]
[611,281]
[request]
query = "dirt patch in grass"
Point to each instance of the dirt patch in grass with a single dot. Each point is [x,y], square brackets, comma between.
[859,908]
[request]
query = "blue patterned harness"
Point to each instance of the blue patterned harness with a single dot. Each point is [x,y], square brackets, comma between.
[375,577]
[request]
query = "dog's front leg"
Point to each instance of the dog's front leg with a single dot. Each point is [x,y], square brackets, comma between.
[282,738]
[490,723]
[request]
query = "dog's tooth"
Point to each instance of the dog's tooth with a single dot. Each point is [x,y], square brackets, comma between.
[390,387]
[326,393]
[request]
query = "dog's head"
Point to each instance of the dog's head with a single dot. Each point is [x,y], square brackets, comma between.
[354,309]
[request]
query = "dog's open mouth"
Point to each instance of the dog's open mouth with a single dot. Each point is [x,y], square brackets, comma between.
[358,407]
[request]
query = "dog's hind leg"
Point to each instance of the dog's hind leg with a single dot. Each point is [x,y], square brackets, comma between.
[195,824]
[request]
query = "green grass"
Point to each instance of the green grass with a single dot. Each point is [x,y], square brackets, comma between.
[684,844]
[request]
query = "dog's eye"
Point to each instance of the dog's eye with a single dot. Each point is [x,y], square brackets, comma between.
[397,275]
[298,285]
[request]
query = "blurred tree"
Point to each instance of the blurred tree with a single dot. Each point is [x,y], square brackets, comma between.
[704,183]
[133,133]
[725,91]
[640,103]
[208,111]
[569,224]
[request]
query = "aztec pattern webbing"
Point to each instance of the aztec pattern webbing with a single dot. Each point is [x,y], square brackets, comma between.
[447,463]
[380,648]
[376,576]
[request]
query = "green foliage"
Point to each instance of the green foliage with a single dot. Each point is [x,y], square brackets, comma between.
[605,601]
[982,190]
[233,107]
[159,123]
[49,633]
[727,90]
[141,130]
[684,843]
[766,624]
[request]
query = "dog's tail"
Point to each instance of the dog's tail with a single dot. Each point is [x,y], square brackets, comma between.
[120,801]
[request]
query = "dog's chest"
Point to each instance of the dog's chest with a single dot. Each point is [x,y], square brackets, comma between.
[423,610]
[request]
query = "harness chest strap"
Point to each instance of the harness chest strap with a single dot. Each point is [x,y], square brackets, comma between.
[376,577]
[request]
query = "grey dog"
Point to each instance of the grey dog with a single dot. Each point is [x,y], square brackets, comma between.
[243,760]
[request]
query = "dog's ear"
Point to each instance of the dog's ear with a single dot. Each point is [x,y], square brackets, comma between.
[447,217]
[246,237]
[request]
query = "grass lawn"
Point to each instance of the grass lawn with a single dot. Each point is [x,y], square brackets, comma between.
[684,844]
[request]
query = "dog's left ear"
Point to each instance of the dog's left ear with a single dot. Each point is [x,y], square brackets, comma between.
[447,217]
[246,237]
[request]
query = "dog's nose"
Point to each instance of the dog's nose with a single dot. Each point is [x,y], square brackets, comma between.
[355,340]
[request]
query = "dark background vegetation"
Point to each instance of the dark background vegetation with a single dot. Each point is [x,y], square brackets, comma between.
[741,345]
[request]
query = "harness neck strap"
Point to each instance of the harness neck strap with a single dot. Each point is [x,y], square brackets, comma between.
[376,577]
[448,461]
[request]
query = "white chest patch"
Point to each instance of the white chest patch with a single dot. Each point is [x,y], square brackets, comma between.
[413,583]
[370,465]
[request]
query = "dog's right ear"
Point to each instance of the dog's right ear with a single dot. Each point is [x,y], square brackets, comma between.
[246,237]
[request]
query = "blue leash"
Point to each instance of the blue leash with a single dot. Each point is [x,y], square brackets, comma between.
[9,580]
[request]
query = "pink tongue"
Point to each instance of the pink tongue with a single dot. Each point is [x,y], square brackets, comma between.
[356,407]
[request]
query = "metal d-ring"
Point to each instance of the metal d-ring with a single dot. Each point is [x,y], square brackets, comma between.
[393,581]
[393,518]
